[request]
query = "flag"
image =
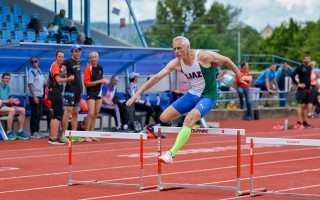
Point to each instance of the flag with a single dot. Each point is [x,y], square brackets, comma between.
[122,22]
[115,11]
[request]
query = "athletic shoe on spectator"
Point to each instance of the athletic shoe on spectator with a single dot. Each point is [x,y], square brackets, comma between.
[94,139]
[64,139]
[11,136]
[23,135]
[306,125]
[87,139]
[36,135]
[298,126]
[55,141]
[166,158]
[77,139]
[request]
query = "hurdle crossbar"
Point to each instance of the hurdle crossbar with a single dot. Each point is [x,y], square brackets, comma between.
[113,135]
[215,131]
[276,141]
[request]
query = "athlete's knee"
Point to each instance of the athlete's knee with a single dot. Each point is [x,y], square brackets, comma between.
[164,119]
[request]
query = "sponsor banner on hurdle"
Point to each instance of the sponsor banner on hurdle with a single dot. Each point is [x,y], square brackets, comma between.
[283,141]
[215,131]
[97,134]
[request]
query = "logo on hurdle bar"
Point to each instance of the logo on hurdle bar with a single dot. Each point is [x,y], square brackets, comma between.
[106,134]
[293,141]
[199,131]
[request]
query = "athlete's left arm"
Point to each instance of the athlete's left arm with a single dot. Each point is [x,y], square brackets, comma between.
[214,57]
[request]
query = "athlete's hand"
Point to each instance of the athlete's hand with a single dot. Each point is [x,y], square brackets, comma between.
[71,78]
[104,81]
[133,99]
[246,79]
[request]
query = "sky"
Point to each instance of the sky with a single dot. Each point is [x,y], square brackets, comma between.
[255,13]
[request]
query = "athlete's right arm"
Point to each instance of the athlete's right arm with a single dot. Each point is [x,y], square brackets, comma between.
[171,66]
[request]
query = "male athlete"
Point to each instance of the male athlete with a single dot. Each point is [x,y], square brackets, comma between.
[198,67]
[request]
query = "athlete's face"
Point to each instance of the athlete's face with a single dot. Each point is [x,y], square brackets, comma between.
[60,57]
[6,80]
[94,58]
[179,49]
[76,54]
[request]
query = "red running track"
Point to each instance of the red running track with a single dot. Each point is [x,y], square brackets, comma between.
[35,170]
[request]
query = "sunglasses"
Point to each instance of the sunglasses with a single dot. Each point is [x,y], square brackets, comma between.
[34,61]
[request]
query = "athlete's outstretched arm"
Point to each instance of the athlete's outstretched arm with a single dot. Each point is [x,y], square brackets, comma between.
[172,65]
[218,58]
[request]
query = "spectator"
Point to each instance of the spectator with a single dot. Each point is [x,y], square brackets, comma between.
[60,21]
[282,73]
[35,95]
[143,105]
[93,81]
[243,89]
[110,105]
[10,108]
[80,39]
[303,93]
[72,91]
[55,96]
[265,81]
[223,80]
[313,100]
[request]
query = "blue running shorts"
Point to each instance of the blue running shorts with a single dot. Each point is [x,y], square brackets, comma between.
[189,101]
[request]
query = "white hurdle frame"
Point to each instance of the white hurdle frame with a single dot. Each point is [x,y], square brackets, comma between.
[211,131]
[114,135]
[277,141]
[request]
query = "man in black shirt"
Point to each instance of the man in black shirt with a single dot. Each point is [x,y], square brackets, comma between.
[304,72]
[72,90]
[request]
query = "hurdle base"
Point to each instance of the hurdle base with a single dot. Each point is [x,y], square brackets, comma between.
[95,182]
[149,187]
[201,186]
[247,192]
[275,193]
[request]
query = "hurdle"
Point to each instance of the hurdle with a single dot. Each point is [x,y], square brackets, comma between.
[277,141]
[109,135]
[212,131]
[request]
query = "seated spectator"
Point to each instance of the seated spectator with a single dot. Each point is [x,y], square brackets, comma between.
[243,89]
[60,21]
[223,80]
[80,39]
[10,108]
[143,105]
[117,108]
[265,81]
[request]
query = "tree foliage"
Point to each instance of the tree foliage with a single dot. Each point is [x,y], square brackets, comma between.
[218,28]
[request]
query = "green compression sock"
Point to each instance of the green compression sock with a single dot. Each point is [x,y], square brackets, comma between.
[182,138]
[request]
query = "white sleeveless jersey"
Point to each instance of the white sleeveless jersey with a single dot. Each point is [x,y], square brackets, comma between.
[202,80]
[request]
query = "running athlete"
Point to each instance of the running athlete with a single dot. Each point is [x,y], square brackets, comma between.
[198,67]
[93,80]
[72,91]
[55,96]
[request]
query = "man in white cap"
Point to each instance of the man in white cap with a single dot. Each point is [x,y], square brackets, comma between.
[73,90]
[198,67]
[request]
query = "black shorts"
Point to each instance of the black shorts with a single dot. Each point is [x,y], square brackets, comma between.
[55,97]
[224,88]
[93,96]
[72,99]
[302,96]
